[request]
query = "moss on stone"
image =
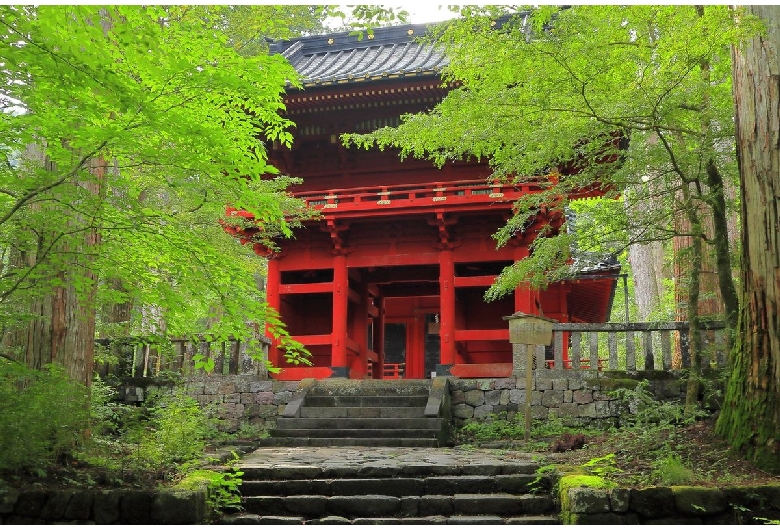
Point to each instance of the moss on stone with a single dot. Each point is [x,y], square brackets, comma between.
[568,482]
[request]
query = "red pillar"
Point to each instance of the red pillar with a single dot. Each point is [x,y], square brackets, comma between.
[525,297]
[447,311]
[360,329]
[273,279]
[339,329]
[379,338]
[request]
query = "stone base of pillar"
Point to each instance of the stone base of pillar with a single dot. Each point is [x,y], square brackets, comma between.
[340,371]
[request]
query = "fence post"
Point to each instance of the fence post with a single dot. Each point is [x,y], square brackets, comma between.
[529,331]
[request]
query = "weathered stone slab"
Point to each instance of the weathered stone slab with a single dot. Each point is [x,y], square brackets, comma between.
[653,502]
[588,500]
[691,500]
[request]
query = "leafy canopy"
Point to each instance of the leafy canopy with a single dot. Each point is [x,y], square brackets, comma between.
[147,123]
[600,98]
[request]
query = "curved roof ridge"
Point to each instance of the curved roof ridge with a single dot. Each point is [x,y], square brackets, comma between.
[344,57]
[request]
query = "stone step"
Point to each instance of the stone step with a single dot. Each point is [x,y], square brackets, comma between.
[263,471]
[367,387]
[287,441]
[362,412]
[360,423]
[245,518]
[500,505]
[390,433]
[360,400]
[397,486]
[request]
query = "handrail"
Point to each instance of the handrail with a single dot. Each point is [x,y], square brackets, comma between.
[631,346]
[435,191]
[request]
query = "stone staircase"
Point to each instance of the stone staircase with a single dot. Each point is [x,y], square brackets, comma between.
[388,413]
[424,489]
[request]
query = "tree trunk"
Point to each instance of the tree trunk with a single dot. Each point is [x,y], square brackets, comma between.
[646,262]
[646,259]
[61,326]
[750,419]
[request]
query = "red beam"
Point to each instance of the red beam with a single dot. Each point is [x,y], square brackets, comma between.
[306,288]
[482,334]
[474,281]
[314,340]
[298,374]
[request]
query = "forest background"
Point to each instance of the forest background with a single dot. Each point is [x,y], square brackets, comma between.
[127,129]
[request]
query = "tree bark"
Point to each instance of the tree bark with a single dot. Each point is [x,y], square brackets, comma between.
[646,262]
[61,325]
[750,419]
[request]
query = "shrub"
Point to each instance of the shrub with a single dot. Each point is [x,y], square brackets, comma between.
[173,430]
[44,417]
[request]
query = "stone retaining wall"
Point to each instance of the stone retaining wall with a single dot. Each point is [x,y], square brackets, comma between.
[670,505]
[102,507]
[237,399]
[581,397]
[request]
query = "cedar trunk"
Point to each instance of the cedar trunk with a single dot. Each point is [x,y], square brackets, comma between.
[750,418]
[61,328]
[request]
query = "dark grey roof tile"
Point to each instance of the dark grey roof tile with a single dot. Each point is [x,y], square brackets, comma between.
[341,57]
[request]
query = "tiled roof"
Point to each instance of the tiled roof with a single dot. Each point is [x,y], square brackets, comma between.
[343,58]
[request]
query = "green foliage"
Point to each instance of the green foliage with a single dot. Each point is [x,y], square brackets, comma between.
[670,471]
[629,101]
[126,131]
[498,427]
[222,487]
[160,439]
[43,420]
[603,466]
[646,412]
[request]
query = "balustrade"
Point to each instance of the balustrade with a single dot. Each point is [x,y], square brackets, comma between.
[631,346]
[613,346]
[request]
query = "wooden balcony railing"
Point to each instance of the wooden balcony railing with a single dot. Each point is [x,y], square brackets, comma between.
[420,195]
[390,371]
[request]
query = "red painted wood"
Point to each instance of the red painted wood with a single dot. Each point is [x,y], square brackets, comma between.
[299,373]
[482,334]
[447,301]
[306,288]
[314,340]
[359,328]
[273,279]
[415,223]
[379,338]
[525,298]
[474,281]
[340,301]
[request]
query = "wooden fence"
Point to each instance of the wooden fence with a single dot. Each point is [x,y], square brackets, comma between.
[614,346]
[136,357]
[632,346]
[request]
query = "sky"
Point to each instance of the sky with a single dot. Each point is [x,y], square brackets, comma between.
[422,12]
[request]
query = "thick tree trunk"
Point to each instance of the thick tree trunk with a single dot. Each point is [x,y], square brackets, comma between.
[61,326]
[646,262]
[750,419]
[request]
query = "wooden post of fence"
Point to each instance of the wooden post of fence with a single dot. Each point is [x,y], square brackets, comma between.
[531,331]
